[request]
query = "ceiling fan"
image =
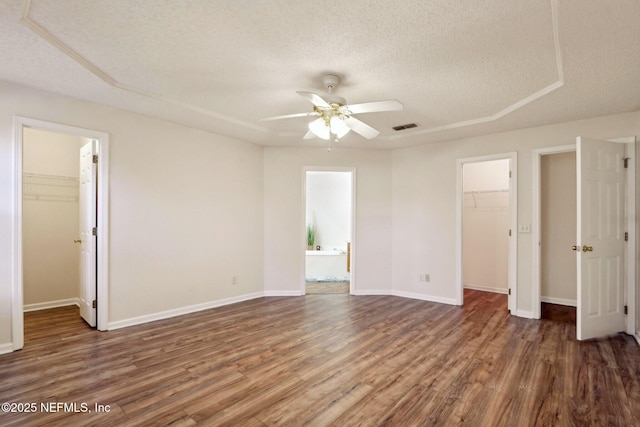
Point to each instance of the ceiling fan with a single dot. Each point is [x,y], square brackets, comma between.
[335,117]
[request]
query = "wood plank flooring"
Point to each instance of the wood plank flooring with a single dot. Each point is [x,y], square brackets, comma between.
[324,360]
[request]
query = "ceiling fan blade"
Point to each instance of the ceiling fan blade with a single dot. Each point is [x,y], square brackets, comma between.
[376,106]
[315,99]
[309,135]
[289,116]
[361,127]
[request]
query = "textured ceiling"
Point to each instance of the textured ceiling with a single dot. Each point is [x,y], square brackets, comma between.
[460,68]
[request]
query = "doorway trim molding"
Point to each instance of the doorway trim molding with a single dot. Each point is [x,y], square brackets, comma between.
[303,238]
[630,270]
[17,299]
[513,225]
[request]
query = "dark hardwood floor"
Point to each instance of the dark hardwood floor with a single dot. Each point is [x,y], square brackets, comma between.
[324,360]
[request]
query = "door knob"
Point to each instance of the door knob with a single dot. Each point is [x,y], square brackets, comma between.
[77,240]
[575,248]
[586,248]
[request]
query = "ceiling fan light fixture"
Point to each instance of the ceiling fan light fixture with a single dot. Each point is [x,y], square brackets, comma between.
[338,127]
[335,117]
[320,129]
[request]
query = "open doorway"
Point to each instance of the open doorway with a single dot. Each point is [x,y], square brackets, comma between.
[579,168]
[486,226]
[328,231]
[558,229]
[50,219]
[46,182]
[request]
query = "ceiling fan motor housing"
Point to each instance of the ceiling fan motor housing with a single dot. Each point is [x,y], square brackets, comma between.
[330,81]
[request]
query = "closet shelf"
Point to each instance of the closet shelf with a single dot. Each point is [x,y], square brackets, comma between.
[45,187]
[486,198]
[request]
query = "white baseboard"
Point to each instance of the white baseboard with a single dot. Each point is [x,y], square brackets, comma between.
[51,304]
[182,310]
[6,348]
[559,301]
[441,300]
[637,337]
[487,289]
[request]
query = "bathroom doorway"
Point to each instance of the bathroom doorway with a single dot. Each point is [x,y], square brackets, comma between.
[329,233]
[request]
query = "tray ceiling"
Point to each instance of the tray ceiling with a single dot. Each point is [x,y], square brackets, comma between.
[459,68]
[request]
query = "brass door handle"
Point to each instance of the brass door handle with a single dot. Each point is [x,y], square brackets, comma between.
[77,240]
[575,248]
[586,248]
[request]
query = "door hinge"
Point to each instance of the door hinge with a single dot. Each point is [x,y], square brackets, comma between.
[94,231]
[509,291]
[626,162]
[626,309]
[94,304]
[509,174]
[626,236]
[95,158]
[509,232]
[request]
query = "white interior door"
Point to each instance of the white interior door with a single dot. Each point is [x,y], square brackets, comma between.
[600,238]
[87,204]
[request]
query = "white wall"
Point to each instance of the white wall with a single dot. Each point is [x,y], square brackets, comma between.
[190,209]
[558,278]
[424,202]
[50,217]
[284,216]
[328,196]
[186,207]
[485,225]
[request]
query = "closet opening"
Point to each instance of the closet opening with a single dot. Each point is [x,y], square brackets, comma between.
[558,230]
[486,227]
[50,219]
[60,222]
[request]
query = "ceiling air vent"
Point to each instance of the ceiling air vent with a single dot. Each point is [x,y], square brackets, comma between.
[403,127]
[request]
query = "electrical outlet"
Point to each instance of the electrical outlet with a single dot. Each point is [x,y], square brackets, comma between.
[525,228]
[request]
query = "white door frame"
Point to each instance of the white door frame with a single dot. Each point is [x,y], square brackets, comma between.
[17,300]
[513,225]
[630,272]
[303,239]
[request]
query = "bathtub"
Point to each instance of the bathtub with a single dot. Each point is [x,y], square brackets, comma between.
[326,265]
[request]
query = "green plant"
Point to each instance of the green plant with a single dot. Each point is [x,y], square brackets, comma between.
[311,235]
